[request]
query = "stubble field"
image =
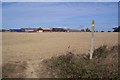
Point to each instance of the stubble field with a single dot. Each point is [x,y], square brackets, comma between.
[24,46]
[35,47]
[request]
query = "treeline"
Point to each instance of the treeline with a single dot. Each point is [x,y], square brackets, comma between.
[116,29]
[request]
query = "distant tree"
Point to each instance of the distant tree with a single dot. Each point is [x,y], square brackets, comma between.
[3,30]
[116,29]
[96,31]
[88,30]
[102,31]
[109,31]
[82,30]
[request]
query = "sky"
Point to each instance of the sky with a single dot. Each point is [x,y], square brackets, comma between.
[74,15]
[60,0]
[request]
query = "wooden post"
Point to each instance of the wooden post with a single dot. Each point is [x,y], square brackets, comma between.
[1,57]
[92,40]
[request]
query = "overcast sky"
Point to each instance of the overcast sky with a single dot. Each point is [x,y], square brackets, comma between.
[60,14]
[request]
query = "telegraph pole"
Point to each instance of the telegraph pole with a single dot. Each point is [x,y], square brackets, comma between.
[92,40]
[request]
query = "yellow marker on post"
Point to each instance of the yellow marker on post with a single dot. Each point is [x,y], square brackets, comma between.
[92,40]
[93,24]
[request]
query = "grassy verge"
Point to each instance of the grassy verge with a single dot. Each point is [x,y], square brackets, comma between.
[103,65]
[14,70]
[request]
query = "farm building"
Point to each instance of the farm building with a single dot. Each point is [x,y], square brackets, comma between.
[59,30]
[16,30]
[29,29]
[39,30]
[47,29]
[4,30]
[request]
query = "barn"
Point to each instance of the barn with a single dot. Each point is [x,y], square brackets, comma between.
[29,29]
[16,30]
[59,30]
[47,29]
[39,30]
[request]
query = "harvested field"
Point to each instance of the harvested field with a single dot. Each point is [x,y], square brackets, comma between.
[34,47]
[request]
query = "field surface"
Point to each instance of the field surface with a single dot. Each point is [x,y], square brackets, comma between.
[23,53]
[37,46]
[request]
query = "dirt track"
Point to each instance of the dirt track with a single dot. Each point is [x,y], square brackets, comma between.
[38,46]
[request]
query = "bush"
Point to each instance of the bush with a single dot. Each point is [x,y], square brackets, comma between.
[70,66]
[100,52]
[103,64]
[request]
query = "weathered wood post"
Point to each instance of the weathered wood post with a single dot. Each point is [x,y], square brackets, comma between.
[92,40]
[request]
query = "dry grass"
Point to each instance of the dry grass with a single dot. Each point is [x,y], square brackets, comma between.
[14,70]
[103,65]
[35,47]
